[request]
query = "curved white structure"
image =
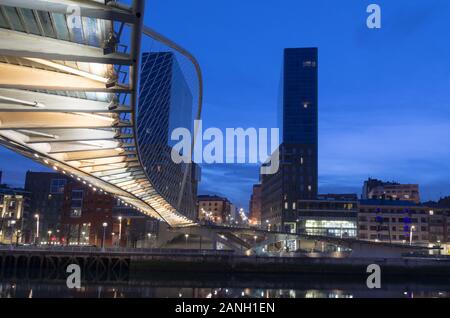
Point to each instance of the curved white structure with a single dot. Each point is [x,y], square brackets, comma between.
[69,77]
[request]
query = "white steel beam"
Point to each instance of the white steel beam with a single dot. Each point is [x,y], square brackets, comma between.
[27,101]
[89,9]
[18,44]
[16,120]
[23,77]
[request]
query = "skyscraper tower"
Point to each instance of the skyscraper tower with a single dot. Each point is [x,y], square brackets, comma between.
[297,178]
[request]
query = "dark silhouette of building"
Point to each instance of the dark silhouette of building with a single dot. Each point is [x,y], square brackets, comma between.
[297,177]
[46,199]
[255,206]
[85,210]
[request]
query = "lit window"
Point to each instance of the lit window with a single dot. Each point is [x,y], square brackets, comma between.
[307,64]
[57,186]
[76,205]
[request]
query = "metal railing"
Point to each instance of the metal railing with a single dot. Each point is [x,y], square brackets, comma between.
[113,250]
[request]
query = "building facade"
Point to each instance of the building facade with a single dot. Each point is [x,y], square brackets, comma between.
[255,206]
[14,213]
[85,211]
[297,177]
[377,189]
[166,105]
[212,208]
[46,199]
[132,229]
[403,222]
[328,215]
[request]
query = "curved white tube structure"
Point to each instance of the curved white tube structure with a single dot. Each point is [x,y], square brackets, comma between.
[69,95]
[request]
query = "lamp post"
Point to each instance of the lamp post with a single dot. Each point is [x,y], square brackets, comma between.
[186,236]
[149,235]
[19,232]
[104,234]
[13,223]
[36,216]
[49,237]
[120,229]
[411,234]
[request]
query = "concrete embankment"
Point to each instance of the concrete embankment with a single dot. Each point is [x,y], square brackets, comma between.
[143,265]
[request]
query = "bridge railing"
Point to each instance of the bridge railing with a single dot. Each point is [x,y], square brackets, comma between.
[112,250]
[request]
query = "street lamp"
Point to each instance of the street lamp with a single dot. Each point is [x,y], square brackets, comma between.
[13,223]
[49,232]
[36,216]
[411,234]
[186,236]
[120,229]
[104,234]
[19,232]
[149,235]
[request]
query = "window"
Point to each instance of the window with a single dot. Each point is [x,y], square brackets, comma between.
[76,204]
[309,64]
[57,185]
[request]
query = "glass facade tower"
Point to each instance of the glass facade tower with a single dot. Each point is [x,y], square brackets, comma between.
[166,103]
[297,178]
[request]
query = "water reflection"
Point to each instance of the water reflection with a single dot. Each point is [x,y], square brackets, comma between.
[163,286]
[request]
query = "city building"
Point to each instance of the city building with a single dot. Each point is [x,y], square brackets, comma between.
[213,208]
[167,105]
[86,218]
[14,212]
[132,229]
[328,215]
[46,191]
[377,189]
[297,177]
[402,222]
[255,206]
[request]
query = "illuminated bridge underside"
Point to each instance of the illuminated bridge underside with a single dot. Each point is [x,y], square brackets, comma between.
[68,96]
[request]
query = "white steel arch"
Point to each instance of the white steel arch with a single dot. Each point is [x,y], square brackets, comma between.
[63,102]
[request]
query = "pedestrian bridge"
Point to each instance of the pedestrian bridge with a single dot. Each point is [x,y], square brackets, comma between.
[69,91]
[247,239]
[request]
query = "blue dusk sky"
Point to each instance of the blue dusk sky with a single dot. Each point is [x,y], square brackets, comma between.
[384,95]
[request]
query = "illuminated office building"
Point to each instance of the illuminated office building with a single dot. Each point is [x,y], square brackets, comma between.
[297,177]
